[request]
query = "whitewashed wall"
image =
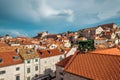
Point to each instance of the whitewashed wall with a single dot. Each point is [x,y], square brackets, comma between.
[11,73]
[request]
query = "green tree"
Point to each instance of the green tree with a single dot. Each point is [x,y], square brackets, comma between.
[86,45]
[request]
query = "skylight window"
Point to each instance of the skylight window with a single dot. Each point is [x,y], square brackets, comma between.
[41,53]
[16,57]
[49,52]
[1,60]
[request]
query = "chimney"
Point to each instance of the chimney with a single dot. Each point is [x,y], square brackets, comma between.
[17,50]
[65,53]
[28,52]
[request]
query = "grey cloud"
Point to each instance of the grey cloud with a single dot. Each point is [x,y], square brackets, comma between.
[14,32]
[62,14]
[36,10]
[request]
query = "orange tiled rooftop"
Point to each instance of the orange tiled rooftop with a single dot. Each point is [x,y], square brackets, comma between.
[64,62]
[49,53]
[95,66]
[6,49]
[9,58]
[111,51]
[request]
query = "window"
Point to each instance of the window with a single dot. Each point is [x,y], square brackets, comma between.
[16,57]
[28,70]
[45,62]
[36,68]
[17,68]
[28,61]
[53,60]
[28,78]
[61,78]
[17,77]
[49,52]
[36,60]
[60,58]
[1,60]
[2,72]
[60,73]
[41,53]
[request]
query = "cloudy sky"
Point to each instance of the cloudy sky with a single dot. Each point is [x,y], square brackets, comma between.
[28,17]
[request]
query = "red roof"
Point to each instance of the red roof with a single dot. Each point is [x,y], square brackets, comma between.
[49,53]
[6,49]
[8,59]
[3,44]
[110,51]
[63,62]
[95,66]
[110,25]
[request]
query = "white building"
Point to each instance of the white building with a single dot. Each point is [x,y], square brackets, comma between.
[100,41]
[67,44]
[117,39]
[14,44]
[98,30]
[72,51]
[31,63]
[48,59]
[115,25]
[113,35]
[53,46]
[11,66]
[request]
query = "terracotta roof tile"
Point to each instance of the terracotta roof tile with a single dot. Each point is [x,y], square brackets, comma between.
[49,53]
[110,51]
[64,61]
[95,66]
[101,46]
[3,44]
[27,43]
[6,49]
[101,39]
[8,59]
